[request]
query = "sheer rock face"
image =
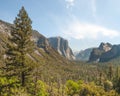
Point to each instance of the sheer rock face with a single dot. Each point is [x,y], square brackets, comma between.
[61,45]
[83,55]
[105,52]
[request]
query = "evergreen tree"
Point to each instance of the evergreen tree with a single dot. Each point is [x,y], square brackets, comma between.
[110,72]
[117,73]
[22,34]
[16,68]
[22,38]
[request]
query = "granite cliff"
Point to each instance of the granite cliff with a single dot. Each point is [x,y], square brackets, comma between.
[62,46]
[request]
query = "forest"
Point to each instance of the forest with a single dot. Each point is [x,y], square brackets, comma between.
[21,75]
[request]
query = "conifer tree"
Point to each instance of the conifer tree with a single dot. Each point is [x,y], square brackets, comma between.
[19,47]
[110,72]
[22,34]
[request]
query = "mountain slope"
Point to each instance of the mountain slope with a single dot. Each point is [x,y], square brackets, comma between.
[48,61]
[84,54]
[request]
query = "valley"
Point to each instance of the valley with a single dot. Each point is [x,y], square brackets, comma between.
[33,65]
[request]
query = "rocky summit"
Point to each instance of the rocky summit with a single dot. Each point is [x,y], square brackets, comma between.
[105,52]
[62,46]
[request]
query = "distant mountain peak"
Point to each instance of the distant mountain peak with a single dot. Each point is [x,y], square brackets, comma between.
[105,46]
[83,55]
[104,52]
[61,45]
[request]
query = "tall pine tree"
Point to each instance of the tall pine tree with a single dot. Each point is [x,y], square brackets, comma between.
[19,47]
[22,34]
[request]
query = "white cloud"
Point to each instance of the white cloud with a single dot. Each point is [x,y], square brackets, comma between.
[93,5]
[78,30]
[69,3]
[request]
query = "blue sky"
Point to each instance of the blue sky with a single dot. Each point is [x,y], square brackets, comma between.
[84,23]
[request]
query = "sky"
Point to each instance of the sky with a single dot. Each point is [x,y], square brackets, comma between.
[84,23]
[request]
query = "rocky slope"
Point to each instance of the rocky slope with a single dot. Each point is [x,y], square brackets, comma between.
[42,50]
[40,40]
[83,55]
[105,52]
[61,45]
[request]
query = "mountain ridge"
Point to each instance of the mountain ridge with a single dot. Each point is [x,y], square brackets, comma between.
[105,52]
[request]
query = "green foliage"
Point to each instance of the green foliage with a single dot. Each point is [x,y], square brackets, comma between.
[117,85]
[72,87]
[87,89]
[41,89]
[7,86]
[108,85]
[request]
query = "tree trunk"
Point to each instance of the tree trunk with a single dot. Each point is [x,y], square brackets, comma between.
[23,79]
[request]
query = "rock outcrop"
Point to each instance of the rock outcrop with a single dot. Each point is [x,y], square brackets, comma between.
[40,40]
[111,54]
[105,52]
[61,45]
